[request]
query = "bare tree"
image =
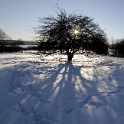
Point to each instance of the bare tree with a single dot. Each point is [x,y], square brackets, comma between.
[68,32]
[3,35]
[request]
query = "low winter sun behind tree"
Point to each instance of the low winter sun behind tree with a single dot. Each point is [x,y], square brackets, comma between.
[70,33]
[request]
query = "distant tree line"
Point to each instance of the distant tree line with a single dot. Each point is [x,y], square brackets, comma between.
[9,45]
[117,48]
[4,47]
[16,46]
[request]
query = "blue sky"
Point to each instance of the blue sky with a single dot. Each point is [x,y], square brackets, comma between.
[17,17]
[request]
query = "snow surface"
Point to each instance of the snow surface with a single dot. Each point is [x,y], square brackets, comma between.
[46,90]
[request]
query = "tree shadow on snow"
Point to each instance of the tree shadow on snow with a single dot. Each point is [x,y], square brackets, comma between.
[66,96]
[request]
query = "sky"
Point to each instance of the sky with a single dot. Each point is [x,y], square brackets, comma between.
[18,17]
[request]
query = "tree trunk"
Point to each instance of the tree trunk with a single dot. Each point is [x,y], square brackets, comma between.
[70,56]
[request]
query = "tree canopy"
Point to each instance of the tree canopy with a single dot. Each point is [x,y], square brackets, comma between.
[70,33]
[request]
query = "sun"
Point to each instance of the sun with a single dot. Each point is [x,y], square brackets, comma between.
[76,31]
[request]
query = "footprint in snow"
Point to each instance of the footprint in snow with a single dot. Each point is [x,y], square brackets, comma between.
[46,101]
[85,101]
[21,109]
[69,110]
[96,104]
[43,118]
[118,90]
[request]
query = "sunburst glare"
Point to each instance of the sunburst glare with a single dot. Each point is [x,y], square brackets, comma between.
[76,31]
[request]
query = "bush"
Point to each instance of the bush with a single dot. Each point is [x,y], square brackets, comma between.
[118,48]
[9,48]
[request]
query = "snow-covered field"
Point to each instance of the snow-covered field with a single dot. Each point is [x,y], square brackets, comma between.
[43,90]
